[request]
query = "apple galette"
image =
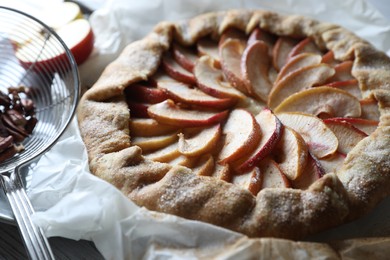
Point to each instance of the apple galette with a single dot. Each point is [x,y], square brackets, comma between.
[265,124]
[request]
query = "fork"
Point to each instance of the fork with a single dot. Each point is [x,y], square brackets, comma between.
[35,241]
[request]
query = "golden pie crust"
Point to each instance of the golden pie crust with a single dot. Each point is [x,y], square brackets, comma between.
[336,198]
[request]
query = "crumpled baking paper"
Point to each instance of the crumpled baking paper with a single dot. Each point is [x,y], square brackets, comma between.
[72,203]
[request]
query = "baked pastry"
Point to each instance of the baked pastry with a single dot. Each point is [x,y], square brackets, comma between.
[268,125]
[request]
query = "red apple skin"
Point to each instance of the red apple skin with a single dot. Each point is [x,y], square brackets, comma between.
[180,56]
[138,110]
[83,49]
[140,93]
[217,103]
[267,147]
[171,111]
[182,76]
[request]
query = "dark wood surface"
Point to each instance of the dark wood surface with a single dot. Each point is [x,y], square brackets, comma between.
[11,246]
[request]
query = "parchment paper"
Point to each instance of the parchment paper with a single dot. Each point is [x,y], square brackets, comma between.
[72,203]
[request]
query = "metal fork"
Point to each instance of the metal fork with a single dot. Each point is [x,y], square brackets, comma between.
[35,241]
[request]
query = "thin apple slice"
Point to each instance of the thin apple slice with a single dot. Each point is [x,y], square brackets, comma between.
[255,64]
[322,100]
[261,35]
[242,134]
[173,69]
[222,172]
[307,45]
[154,143]
[208,47]
[251,180]
[204,166]
[182,160]
[346,133]
[145,94]
[298,61]
[299,80]
[165,154]
[312,173]
[231,52]
[272,175]
[332,163]
[167,112]
[281,50]
[343,71]
[148,127]
[329,58]
[232,34]
[210,80]
[319,138]
[291,153]
[180,92]
[366,125]
[202,142]
[138,109]
[351,86]
[370,109]
[271,130]
[185,56]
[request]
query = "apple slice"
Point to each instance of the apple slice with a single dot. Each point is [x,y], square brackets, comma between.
[298,80]
[173,69]
[271,130]
[298,61]
[204,166]
[251,180]
[312,173]
[272,175]
[242,134]
[165,154]
[343,71]
[346,133]
[180,92]
[184,56]
[148,127]
[291,153]
[281,50]
[231,52]
[332,163]
[145,94]
[153,143]
[365,125]
[202,142]
[255,64]
[222,172]
[351,86]
[305,46]
[316,101]
[209,80]
[329,58]
[319,138]
[260,35]
[138,109]
[232,34]
[167,112]
[370,109]
[78,37]
[208,47]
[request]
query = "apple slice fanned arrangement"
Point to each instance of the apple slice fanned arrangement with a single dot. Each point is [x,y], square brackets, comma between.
[268,125]
[258,110]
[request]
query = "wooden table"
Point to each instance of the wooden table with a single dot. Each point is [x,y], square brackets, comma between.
[11,246]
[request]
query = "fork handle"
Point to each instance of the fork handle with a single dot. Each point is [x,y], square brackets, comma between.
[35,241]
